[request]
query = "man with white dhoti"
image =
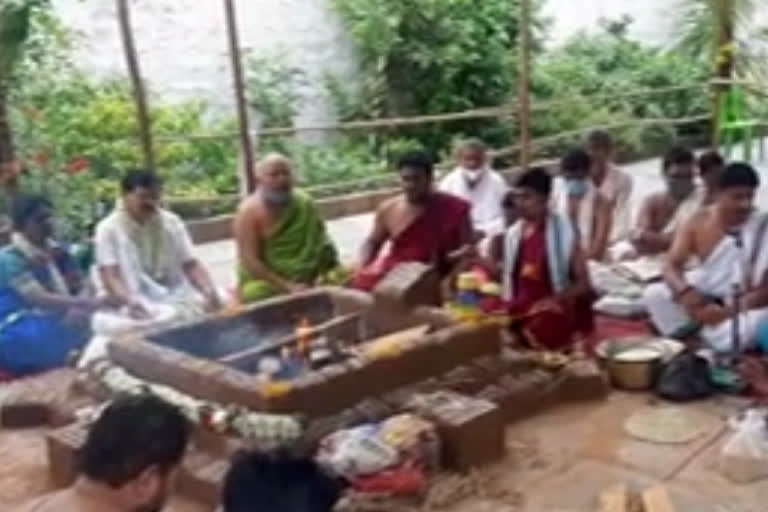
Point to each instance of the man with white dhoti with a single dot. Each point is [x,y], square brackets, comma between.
[482,187]
[582,202]
[728,242]
[145,261]
[663,213]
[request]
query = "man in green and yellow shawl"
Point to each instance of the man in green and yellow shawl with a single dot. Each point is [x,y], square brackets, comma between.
[283,246]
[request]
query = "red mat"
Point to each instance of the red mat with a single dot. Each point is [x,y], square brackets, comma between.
[607,327]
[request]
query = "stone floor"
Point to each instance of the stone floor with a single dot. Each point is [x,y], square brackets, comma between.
[557,462]
[349,232]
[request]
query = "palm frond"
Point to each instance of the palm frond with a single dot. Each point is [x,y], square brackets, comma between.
[701,23]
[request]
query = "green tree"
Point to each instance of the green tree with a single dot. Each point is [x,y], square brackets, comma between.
[590,73]
[15,24]
[431,56]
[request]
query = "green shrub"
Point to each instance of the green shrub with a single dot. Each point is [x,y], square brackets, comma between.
[592,71]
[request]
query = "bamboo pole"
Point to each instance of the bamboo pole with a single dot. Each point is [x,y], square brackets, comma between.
[724,61]
[539,142]
[524,79]
[386,123]
[139,94]
[239,85]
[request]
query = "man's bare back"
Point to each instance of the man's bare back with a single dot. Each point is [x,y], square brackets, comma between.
[67,500]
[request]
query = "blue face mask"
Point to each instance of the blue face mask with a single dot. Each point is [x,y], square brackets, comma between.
[576,187]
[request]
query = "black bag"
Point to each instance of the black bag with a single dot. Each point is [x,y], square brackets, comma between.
[684,378]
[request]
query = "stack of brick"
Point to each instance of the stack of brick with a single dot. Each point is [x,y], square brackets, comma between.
[471,430]
[47,399]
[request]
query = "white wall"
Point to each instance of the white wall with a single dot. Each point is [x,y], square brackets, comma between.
[183,47]
[653,22]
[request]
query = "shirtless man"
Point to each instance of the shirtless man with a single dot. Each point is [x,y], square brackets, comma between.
[129,460]
[663,213]
[590,211]
[711,166]
[700,302]
[282,242]
[421,225]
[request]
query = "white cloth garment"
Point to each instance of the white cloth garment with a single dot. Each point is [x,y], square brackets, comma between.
[585,220]
[561,243]
[693,203]
[616,188]
[715,277]
[485,197]
[150,257]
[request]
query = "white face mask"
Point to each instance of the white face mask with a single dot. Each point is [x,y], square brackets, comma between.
[472,176]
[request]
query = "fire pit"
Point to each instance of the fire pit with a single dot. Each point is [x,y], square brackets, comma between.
[314,353]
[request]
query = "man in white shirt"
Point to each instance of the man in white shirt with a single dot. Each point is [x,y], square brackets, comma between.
[613,183]
[475,182]
[146,265]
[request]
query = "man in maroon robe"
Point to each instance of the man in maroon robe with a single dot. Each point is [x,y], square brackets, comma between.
[545,276]
[421,225]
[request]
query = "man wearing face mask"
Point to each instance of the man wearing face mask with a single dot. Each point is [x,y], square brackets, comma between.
[482,187]
[283,245]
[585,205]
[663,213]
[129,460]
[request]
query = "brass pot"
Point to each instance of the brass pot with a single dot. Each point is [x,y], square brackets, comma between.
[633,373]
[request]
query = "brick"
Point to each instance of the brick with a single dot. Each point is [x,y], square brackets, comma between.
[47,399]
[340,389]
[493,393]
[583,380]
[397,398]
[471,430]
[316,431]
[526,394]
[411,283]
[517,361]
[467,380]
[491,365]
[373,410]
[62,447]
[308,395]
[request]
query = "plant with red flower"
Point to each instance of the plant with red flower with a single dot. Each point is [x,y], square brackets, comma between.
[42,158]
[78,166]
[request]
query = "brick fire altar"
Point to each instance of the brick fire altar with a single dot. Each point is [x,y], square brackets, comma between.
[220,358]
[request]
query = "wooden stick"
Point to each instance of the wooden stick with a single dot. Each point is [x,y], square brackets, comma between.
[314,332]
[505,151]
[139,94]
[524,94]
[481,113]
[239,86]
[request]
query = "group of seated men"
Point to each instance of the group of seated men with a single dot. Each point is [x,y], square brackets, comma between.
[539,239]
